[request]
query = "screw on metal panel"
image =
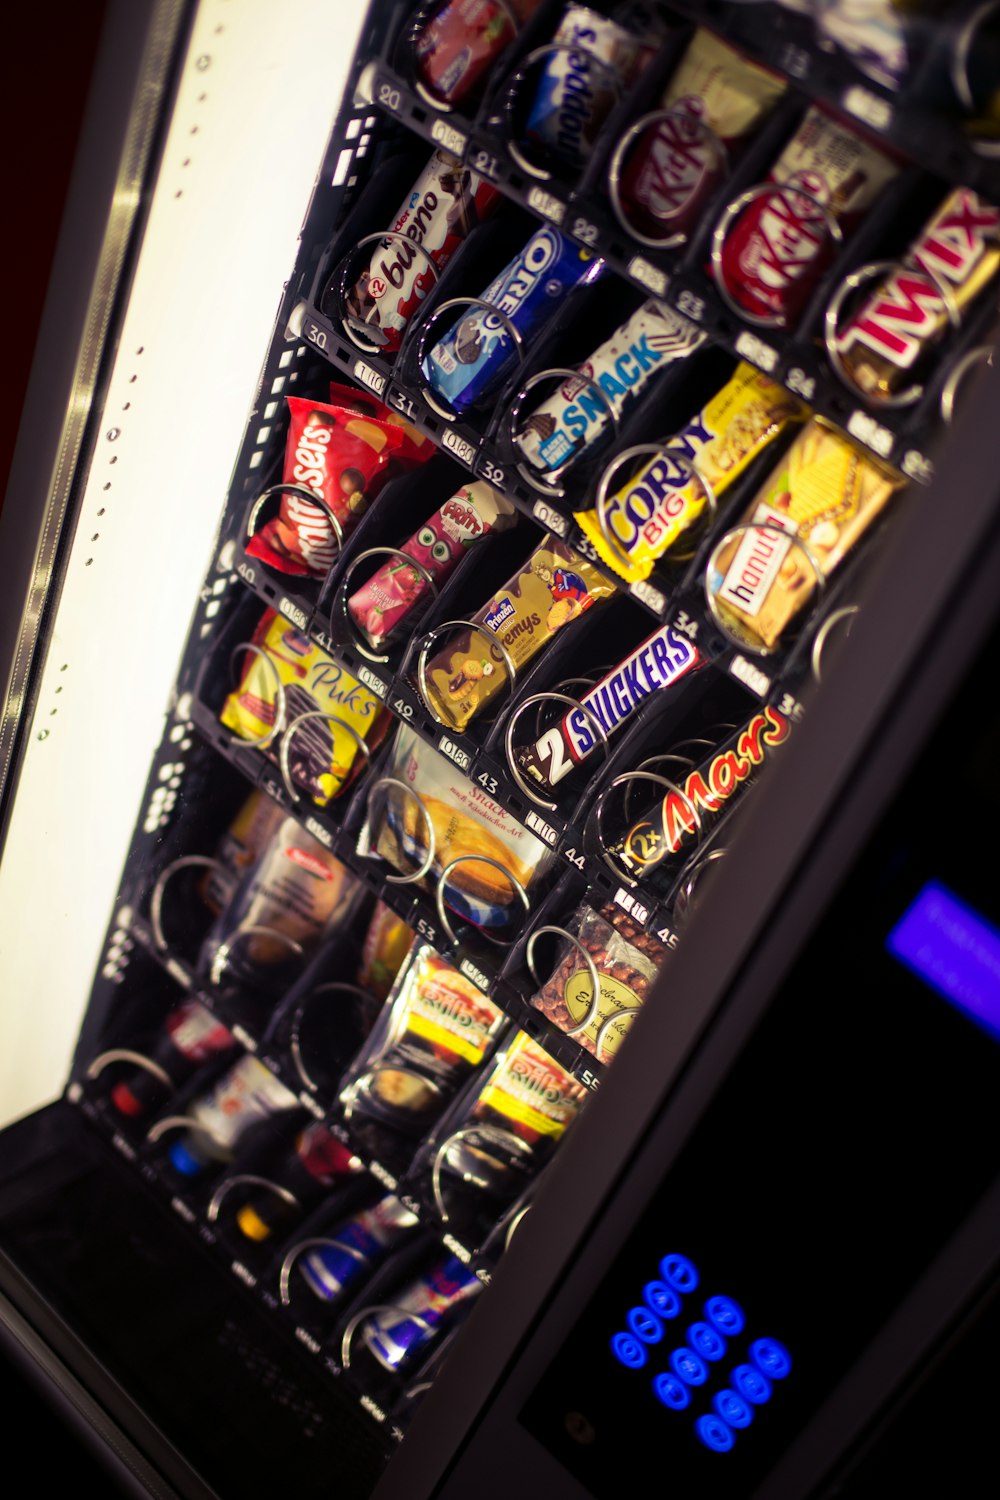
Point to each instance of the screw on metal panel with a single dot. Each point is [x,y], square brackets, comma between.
[203,62]
[113,433]
[579,1428]
[43,734]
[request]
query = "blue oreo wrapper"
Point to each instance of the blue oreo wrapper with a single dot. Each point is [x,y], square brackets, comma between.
[478,353]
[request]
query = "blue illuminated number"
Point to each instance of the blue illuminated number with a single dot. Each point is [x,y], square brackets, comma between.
[726,1315]
[751,1384]
[679,1272]
[628,1351]
[733,1409]
[705,1341]
[644,1325]
[671,1391]
[714,1433]
[688,1367]
[771,1358]
[662,1299]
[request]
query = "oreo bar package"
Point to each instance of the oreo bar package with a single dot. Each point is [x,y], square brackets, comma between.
[478,353]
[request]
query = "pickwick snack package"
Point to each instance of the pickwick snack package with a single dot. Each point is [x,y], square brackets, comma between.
[779,246]
[674,166]
[627,960]
[465,822]
[958,252]
[443,205]
[575,416]
[824,492]
[323,753]
[462,39]
[651,512]
[575,95]
[554,587]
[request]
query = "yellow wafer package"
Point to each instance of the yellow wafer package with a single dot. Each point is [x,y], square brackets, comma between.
[812,509]
[649,514]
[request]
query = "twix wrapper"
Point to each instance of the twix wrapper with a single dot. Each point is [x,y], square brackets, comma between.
[678,822]
[662,502]
[957,251]
[824,493]
[662,660]
[554,587]
[443,205]
[780,244]
[462,40]
[674,166]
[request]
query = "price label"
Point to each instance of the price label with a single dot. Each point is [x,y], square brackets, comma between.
[455,753]
[916,465]
[551,519]
[457,1249]
[864,427]
[294,613]
[648,276]
[458,445]
[546,204]
[381,1175]
[244,1038]
[473,972]
[369,377]
[752,677]
[757,352]
[538,825]
[370,680]
[447,136]
[306,1338]
[864,105]
[318,831]
[648,594]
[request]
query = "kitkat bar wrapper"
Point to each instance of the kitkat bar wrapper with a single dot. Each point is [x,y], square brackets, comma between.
[627,961]
[580,82]
[825,493]
[554,587]
[380,607]
[343,453]
[443,205]
[465,822]
[778,247]
[683,817]
[674,166]
[575,416]
[651,512]
[323,753]
[662,660]
[462,40]
[478,353]
[885,342]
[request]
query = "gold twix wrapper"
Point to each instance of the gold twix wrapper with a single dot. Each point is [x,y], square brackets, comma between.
[824,493]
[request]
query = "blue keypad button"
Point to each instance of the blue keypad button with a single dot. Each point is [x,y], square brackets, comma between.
[628,1351]
[751,1384]
[771,1358]
[733,1409]
[662,1299]
[644,1325]
[671,1391]
[679,1272]
[688,1367]
[705,1341]
[725,1315]
[714,1433]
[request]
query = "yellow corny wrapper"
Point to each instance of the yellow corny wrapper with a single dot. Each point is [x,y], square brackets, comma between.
[647,515]
[825,493]
[322,751]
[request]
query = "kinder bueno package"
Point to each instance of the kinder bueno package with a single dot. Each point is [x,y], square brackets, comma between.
[957,252]
[323,752]
[553,588]
[824,493]
[675,165]
[463,821]
[443,205]
[780,244]
[575,416]
[580,82]
[662,503]
[478,353]
[461,41]
[380,607]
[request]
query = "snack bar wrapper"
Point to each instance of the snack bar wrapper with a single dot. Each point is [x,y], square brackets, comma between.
[239,848]
[780,245]
[825,492]
[478,353]
[627,960]
[575,416]
[553,588]
[443,205]
[380,607]
[465,822]
[651,512]
[323,753]
[461,41]
[341,452]
[674,166]
[578,88]
[386,943]
[957,250]
[663,659]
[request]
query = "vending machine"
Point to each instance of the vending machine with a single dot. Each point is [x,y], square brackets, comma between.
[498,753]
